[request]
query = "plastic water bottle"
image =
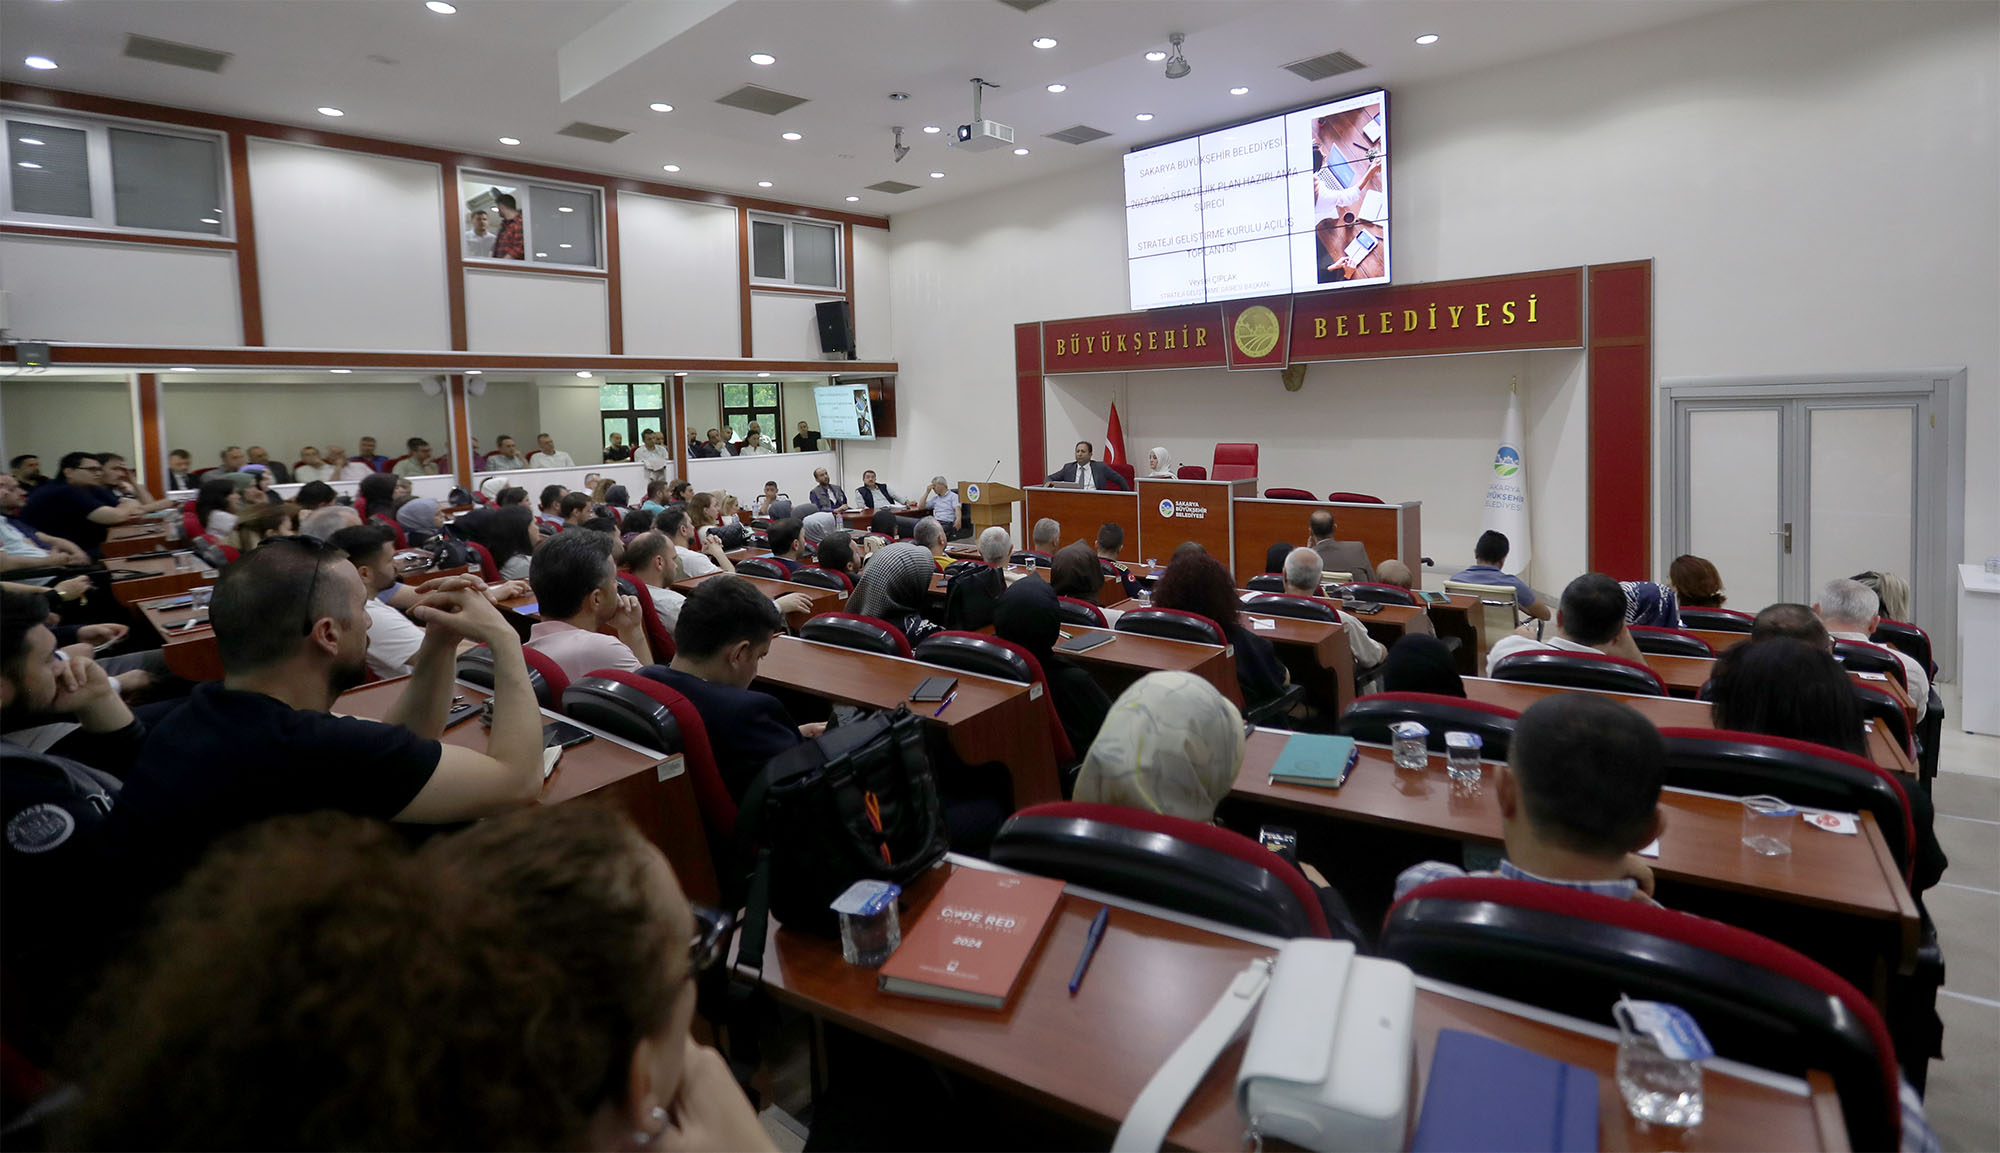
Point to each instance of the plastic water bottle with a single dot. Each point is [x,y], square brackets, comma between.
[1660,1051]
[1410,745]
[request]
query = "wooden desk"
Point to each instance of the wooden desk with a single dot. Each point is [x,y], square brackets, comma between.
[1684,677]
[1720,641]
[159,578]
[1385,530]
[1667,712]
[190,653]
[1080,513]
[823,600]
[1086,1057]
[1128,656]
[989,719]
[1202,511]
[127,539]
[1850,885]
[1316,653]
[651,786]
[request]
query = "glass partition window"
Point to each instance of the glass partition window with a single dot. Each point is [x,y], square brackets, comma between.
[114,176]
[508,218]
[745,403]
[631,410]
[794,253]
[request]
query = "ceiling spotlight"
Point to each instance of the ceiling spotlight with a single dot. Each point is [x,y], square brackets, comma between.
[564,246]
[210,220]
[763,184]
[30,140]
[762,375]
[328,110]
[509,141]
[853,199]
[475,372]
[1155,56]
[180,368]
[1239,91]
[932,129]
[1044,42]
[1177,65]
[900,149]
[39,63]
[583,375]
[541,256]
[1059,88]
[792,136]
[26,164]
[762,58]
[1428,38]
[659,107]
[565,208]
[937,176]
[440,7]
[1143,116]
[340,371]
[670,168]
[1020,152]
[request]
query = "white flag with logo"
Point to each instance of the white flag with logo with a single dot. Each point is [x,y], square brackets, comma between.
[1507,492]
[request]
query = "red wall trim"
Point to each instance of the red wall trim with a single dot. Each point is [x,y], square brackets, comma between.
[454,261]
[248,284]
[790,290]
[147,357]
[528,268]
[1028,401]
[1620,373]
[614,291]
[461,430]
[61,233]
[677,422]
[847,275]
[743,279]
[152,436]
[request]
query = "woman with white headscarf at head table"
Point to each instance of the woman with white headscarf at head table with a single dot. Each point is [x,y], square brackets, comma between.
[1173,744]
[1158,463]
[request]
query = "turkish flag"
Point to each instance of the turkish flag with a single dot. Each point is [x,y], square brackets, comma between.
[1114,439]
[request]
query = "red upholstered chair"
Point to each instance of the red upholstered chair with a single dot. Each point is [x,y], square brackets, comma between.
[1173,624]
[1579,671]
[1289,605]
[1038,559]
[766,567]
[1179,864]
[1878,706]
[190,522]
[822,578]
[475,666]
[551,674]
[1716,620]
[1908,639]
[1669,642]
[1266,582]
[197,474]
[1380,593]
[1577,953]
[657,637]
[1369,718]
[1127,472]
[1287,494]
[1353,498]
[993,657]
[644,711]
[488,571]
[1863,657]
[1079,612]
[1191,472]
[856,632]
[1234,462]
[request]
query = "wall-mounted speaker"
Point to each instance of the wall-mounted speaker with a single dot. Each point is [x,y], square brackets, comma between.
[836,326]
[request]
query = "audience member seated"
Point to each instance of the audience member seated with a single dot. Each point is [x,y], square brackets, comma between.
[1110,542]
[755,444]
[1074,572]
[315,494]
[1851,610]
[1046,538]
[1027,615]
[574,508]
[1796,621]
[364,453]
[635,522]
[1591,620]
[393,639]
[650,558]
[262,522]
[215,508]
[617,451]
[546,454]
[760,507]
[22,546]
[651,454]
[656,497]
[874,494]
[1337,555]
[321,524]
[511,495]
[1418,663]
[1197,583]
[1695,582]
[550,508]
[1650,604]
[233,459]
[119,479]
[180,470]
[942,503]
[505,455]
[973,591]
[510,533]
[1487,556]
[1172,744]
[1274,558]
[576,588]
[1782,687]
[787,543]
[1395,572]
[1893,592]
[617,499]
[78,507]
[894,587]
[929,535]
[544,970]
[680,528]
[291,628]
[420,518]
[1159,464]
[836,553]
[311,467]
[1302,578]
[375,496]
[418,462]
[343,468]
[725,629]
[826,496]
[257,455]
[711,446]
[1579,797]
[817,527]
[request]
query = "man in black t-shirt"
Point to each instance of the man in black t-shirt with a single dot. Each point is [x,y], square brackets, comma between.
[80,509]
[291,628]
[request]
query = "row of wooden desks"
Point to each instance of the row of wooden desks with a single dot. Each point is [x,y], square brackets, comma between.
[823,600]
[1086,1057]
[147,535]
[137,578]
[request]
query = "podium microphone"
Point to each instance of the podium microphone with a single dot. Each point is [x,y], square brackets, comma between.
[991,471]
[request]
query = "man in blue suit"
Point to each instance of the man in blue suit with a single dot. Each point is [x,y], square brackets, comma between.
[724,631]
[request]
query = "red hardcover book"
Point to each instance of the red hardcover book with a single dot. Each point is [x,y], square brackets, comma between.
[974,939]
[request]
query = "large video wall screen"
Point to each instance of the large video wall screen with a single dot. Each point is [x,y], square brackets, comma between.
[1292,203]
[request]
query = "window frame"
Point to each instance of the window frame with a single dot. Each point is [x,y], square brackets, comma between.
[103,180]
[491,177]
[791,224]
[629,415]
[751,410]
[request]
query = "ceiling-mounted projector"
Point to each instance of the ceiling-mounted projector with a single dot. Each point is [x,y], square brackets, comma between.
[981,134]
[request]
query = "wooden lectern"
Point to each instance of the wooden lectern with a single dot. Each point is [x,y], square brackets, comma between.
[988,503]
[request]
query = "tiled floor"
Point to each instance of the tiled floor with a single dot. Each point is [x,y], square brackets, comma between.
[1962,1101]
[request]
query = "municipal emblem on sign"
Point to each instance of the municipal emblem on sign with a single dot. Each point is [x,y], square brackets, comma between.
[1507,461]
[1256,332]
[972,494]
[1167,508]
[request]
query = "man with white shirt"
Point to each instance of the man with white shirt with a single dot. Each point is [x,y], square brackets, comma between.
[478,237]
[652,455]
[576,587]
[1590,618]
[1303,571]
[547,456]
[504,455]
[651,557]
[1850,611]
[343,468]
[1087,473]
[312,467]
[393,639]
[680,529]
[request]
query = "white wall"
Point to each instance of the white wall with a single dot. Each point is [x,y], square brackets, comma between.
[783,326]
[206,417]
[349,249]
[745,475]
[59,415]
[566,409]
[874,315]
[1722,147]
[119,293]
[677,274]
[522,312]
[510,406]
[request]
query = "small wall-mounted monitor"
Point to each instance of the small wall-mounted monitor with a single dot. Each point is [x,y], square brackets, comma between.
[844,411]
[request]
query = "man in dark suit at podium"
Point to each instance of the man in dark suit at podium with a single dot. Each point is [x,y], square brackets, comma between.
[1087,473]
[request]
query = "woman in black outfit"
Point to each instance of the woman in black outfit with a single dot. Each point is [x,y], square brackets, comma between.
[1027,615]
[1197,583]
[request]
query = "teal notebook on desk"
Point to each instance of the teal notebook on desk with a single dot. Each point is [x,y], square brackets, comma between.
[1315,759]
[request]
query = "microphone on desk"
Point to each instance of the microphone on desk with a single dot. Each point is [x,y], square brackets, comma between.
[991,471]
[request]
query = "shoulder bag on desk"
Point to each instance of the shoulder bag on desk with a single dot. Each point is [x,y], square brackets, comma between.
[1329,1064]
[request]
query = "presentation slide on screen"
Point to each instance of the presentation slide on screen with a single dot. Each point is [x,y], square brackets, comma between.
[843,412]
[1291,203]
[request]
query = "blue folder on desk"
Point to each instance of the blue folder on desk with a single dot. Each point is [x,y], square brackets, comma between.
[1488,1095]
[1315,759]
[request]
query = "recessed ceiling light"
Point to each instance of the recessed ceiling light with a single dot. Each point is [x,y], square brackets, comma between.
[1428,38]
[440,7]
[26,164]
[1239,91]
[1020,152]
[1059,88]
[565,208]
[852,199]
[40,63]
[340,371]
[658,107]
[763,184]
[937,176]
[1156,56]
[763,374]
[762,58]
[899,96]
[30,140]
[475,372]
[564,246]
[541,256]
[584,375]
[791,136]
[181,368]
[329,110]
[1044,42]
[670,168]
[509,141]
[1143,116]
[210,220]
[932,129]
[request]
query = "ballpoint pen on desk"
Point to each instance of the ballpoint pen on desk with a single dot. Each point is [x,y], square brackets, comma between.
[1090,941]
[946,702]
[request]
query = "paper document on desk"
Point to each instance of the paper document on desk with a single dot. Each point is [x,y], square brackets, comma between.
[1832,822]
[1652,850]
[1263,624]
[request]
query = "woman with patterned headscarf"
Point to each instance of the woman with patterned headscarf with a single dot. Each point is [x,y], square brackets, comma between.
[893,588]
